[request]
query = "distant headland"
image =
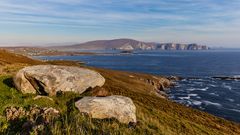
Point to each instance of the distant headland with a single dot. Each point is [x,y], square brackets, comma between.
[130,44]
[87,48]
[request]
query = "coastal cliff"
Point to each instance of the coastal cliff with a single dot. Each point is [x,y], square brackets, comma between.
[115,44]
[130,44]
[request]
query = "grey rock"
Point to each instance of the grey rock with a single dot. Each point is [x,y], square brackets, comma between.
[34,112]
[227,77]
[42,97]
[35,118]
[50,79]
[119,107]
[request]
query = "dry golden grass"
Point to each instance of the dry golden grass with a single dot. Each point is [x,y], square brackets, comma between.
[10,58]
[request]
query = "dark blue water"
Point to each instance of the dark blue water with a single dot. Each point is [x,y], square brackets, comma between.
[219,97]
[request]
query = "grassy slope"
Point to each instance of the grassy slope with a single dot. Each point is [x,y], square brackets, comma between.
[156,115]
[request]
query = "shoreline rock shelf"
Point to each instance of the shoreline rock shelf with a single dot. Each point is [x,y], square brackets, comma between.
[49,79]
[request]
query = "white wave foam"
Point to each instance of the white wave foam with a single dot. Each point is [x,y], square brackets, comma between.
[212,85]
[212,103]
[191,89]
[231,100]
[200,89]
[214,94]
[196,102]
[198,97]
[203,89]
[192,95]
[198,82]
[188,96]
[235,110]
[183,98]
[227,87]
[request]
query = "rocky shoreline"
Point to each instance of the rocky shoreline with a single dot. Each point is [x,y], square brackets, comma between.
[227,77]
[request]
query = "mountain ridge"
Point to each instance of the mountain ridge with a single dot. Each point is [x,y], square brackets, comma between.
[131,44]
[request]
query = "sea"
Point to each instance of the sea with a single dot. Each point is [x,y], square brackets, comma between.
[197,89]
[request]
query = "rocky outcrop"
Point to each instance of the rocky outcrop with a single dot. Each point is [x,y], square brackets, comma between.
[119,107]
[50,79]
[33,119]
[33,113]
[160,84]
[227,77]
[175,78]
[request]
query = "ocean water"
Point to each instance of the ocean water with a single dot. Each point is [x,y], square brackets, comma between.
[198,89]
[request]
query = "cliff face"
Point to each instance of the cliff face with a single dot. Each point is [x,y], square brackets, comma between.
[129,44]
[162,46]
[174,46]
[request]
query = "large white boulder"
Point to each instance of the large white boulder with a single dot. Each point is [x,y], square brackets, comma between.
[49,79]
[119,107]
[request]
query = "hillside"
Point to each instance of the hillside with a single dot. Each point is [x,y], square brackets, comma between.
[130,44]
[11,58]
[156,115]
[110,44]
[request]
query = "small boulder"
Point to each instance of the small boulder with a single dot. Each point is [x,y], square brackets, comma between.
[42,97]
[119,107]
[50,79]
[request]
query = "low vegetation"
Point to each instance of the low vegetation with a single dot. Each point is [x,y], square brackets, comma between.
[155,115]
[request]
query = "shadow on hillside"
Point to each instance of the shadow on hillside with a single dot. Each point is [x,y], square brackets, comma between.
[71,104]
[9,82]
[23,126]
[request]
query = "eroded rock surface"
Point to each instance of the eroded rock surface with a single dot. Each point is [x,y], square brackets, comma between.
[119,107]
[33,119]
[49,79]
[34,113]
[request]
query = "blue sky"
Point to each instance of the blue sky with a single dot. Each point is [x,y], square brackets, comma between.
[30,22]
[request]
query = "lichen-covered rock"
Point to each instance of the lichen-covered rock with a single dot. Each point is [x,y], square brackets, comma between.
[119,107]
[34,118]
[34,113]
[49,79]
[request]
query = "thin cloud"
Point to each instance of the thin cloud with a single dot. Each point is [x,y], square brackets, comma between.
[99,16]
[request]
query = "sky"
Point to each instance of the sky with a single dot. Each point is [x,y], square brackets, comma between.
[215,23]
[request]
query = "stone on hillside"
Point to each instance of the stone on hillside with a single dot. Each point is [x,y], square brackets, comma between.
[34,119]
[42,97]
[50,79]
[46,114]
[99,92]
[119,107]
